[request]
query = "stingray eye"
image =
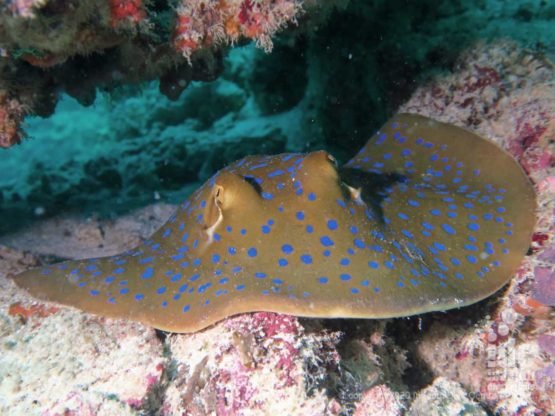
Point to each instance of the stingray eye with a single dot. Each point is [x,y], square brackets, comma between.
[212,212]
[219,195]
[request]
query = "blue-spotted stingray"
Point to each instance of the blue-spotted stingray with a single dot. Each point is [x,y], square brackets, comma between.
[426,217]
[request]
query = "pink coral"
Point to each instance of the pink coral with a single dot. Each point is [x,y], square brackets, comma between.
[202,24]
[126,11]
[544,290]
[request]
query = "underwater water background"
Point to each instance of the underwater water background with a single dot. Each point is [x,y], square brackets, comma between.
[324,88]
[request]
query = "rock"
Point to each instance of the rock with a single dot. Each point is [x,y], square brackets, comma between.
[444,398]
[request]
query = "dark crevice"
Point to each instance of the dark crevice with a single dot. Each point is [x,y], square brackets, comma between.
[374,187]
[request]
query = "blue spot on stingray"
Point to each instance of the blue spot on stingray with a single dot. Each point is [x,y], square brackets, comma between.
[215,258]
[373,264]
[139,296]
[94,292]
[306,259]
[389,264]
[359,243]
[243,231]
[124,291]
[472,226]
[377,248]
[413,203]
[240,287]
[232,250]
[194,277]
[448,229]
[427,226]
[266,229]
[91,267]
[341,203]
[435,212]
[332,225]
[326,253]
[355,291]
[326,241]
[345,262]
[309,229]
[471,259]
[176,277]
[204,287]
[148,273]
[323,280]
[161,290]
[252,252]
[283,262]
[353,229]
[407,233]
[345,276]
[287,249]
[439,246]
[470,247]
[403,216]
[400,284]
[275,173]
[260,275]
[197,262]
[186,308]
[452,214]
[300,215]
[311,196]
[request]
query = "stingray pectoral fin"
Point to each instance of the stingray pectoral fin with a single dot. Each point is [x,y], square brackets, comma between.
[460,214]
[109,286]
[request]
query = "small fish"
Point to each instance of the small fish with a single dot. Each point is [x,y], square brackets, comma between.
[426,217]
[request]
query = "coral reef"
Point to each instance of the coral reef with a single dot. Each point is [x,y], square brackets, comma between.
[51,45]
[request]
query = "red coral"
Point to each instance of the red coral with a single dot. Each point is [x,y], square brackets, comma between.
[126,10]
[42,311]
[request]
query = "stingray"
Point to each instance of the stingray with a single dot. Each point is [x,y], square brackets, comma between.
[426,217]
